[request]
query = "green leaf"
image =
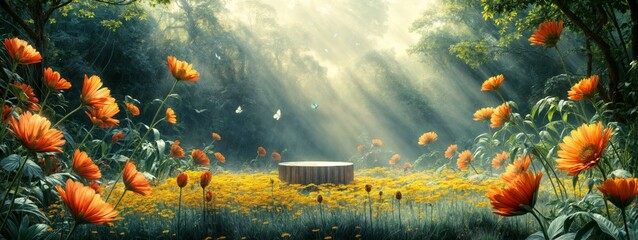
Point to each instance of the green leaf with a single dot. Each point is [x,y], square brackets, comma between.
[31,169]
[575,181]
[557,227]
[161,146]
[620,173]
[606,226]
[586,231]
[11,162]
[566,236]
[536,236]
[24,205]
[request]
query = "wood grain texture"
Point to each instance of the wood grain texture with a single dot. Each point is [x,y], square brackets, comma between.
[316,172]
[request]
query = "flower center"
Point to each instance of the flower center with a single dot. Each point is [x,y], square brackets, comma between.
[586,155]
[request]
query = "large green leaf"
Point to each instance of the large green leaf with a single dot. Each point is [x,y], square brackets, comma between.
[32,169]
[606,226]
[557,227]
[536,236]
[11,162]
[29,232]
[24,205]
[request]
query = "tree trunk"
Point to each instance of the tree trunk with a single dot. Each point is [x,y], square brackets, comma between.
[612,65]
[633,9]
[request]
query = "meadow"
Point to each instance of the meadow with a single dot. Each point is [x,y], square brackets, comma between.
[563,170]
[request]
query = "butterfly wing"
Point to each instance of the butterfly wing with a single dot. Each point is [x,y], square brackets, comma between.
[239,110]
[277,115]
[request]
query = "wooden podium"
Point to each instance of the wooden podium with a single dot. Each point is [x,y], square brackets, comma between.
[316,172]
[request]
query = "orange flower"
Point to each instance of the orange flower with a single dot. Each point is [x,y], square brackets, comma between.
[182,180]
[518,197]
[619,191]
[116,137]
[54,82]
[500,160]
[360,148]
[209,196]
[450,150]
[176,150]
[483,114]
[377,142]
[84,166]
[96,187]
[492,83]
[170,116]
[103,116]
[261,151]
[182,71]
[199,157]
[35,134]
[501,115]
[547,34]
[31,101]
[394,159]
[93,94]
[21,52]
[134,180]
[464,159]
[6,111]
[205,178]
[220,157]
[275,156]
[521,164]
[582,149]
[583,90]
[427,138]
[216,136]
[132,109]
[407,166]
[85,205]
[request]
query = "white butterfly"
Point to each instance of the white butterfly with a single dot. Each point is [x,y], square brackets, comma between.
[239,110]
[314,105]
[277,115]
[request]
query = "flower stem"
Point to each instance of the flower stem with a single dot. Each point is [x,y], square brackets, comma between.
[87,136]
[144,137]
[67,116]
[118,201]
[44,103]
[540,223]
[472,166]
[562,61]
[15,179]
[71,232]
[624,219]
[154,118]
[179,210]
[14,66]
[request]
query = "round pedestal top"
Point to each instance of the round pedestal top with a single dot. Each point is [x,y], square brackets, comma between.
[315,164]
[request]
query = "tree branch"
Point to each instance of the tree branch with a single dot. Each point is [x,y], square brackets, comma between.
[612,65]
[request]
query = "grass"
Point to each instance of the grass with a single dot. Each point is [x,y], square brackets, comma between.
[250,206]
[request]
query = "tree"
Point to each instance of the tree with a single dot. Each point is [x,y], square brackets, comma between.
[33,16]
